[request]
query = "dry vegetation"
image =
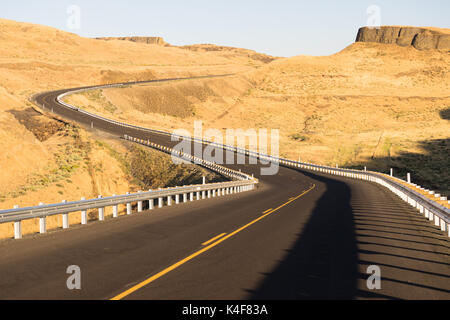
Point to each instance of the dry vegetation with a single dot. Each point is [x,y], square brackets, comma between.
[231,52]
[88,166]
[46,160]
[160,103]
[372,105]
[147,169]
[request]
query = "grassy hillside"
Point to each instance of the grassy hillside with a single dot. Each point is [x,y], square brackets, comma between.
[374,105]
[39,159]
[371,104]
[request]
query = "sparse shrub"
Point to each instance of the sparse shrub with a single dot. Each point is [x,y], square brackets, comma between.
[151,170]
[298,137]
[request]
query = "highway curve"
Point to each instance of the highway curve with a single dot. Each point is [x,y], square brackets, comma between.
[300,235]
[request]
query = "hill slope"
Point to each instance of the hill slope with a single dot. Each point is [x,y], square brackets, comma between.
[373,104]
[47,160]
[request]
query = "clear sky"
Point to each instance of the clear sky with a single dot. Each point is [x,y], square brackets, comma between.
[280,28]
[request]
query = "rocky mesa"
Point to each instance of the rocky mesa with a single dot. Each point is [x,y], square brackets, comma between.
[148,40]
[419,38]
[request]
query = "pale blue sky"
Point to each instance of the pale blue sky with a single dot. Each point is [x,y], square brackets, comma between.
[281,28]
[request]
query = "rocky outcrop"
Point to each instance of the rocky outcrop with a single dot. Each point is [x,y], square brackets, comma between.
[419,38]
[230,51]
[226,51]
[148,40]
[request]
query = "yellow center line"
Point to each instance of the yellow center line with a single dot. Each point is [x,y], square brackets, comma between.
[267,210]
[215,238]
[199,252]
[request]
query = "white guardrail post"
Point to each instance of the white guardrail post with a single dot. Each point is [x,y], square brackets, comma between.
[150,204]
[84,217]
[115,209]
[65,218]
[42,222]
[140,204]
[17,227]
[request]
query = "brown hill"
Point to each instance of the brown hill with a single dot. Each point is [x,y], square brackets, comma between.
[147,40]
[230,51]
[43,159]
[419,38]
[370,104]
[224,51]
[375,104]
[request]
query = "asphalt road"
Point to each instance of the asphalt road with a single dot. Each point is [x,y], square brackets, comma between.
[300,235]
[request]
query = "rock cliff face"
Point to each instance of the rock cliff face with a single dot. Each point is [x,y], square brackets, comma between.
[419,38]
[148,40]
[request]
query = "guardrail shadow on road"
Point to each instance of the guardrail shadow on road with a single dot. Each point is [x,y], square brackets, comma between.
[330,257]
[322,264]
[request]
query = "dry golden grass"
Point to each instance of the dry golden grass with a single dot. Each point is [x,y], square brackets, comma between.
[98,165]
[156,102]
[36,58]
[248,56]
[79,168]
[371,104]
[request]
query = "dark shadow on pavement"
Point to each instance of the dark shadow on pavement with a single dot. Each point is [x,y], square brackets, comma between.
[322,264]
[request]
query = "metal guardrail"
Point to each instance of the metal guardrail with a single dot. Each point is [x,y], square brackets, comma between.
[244,183]
[19,214]
[431,209]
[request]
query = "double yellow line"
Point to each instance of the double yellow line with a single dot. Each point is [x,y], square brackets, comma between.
[208,247]
[215,238]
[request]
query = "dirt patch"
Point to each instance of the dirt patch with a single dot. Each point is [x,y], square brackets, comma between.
[42,127]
